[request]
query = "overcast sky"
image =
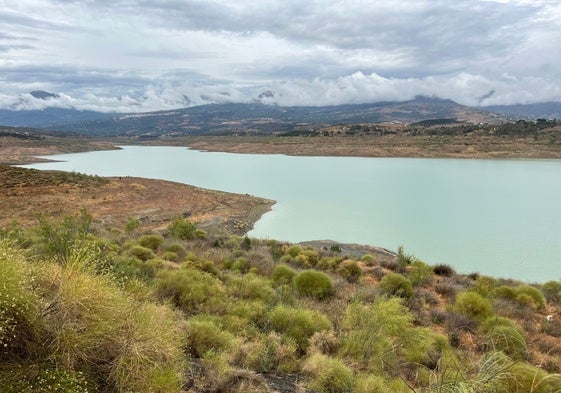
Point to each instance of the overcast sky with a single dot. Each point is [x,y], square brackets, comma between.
[139,55]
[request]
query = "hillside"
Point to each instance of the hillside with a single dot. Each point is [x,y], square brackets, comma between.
[251,118]
[100,306]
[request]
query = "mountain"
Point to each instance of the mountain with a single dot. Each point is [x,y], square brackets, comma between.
[544,110]
[260,118]
[43,95]
[48,117]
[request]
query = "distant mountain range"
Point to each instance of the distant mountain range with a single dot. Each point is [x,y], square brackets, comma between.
[260,118]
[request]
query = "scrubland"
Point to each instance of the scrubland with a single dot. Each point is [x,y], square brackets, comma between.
[85,307]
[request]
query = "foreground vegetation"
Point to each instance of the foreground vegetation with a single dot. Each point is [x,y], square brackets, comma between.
[90,309]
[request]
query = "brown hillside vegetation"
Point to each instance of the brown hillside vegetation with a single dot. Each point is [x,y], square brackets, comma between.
[111,201]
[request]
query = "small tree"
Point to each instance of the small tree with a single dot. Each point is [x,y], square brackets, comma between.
[181,228]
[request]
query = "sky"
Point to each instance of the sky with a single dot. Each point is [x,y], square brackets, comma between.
[144,55]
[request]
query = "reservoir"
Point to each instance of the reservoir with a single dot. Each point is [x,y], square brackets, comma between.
[496,217]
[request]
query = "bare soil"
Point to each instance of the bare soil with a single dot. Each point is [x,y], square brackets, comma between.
[467,146]
[111,201]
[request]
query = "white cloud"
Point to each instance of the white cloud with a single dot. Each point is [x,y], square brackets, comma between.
[148,54]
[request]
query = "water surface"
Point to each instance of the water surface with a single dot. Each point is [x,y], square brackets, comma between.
[496,217]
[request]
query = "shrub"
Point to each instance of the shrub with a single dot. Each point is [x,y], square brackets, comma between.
[283,274]
[473,305]
[375,331]
[525,291]
[152,242]
[181,228]
[313,283]
[251,286]
[368,260]
[93,325]
[204,335]
[504,292]
[404,259]
[508,340]
[443,270]
[552,291]
[267,353]
[420,274]
[350,270]
[298,324]
[394,284]
[328,375]
[19,328]
[170,256]
[191,290]
[240,265]
[141,253]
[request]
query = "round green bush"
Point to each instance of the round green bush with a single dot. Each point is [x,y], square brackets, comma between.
[509,340]
[328,375]
[533,293]
[474,305]
[151,241]
[283,274]
[350,270]
[394,284]
[504,292]
[183,229]
[142,253]
[552,291]
[313,283]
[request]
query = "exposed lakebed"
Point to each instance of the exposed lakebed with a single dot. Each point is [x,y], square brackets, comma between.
[496,217]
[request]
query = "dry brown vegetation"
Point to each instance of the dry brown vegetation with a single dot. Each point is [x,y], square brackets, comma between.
[25,192]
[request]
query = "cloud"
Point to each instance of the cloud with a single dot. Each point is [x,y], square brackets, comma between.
[149,54]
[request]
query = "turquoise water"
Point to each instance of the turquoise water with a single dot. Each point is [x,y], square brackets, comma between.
[496,217]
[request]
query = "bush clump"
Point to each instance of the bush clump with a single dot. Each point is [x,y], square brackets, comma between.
[395,284]
[191,290]
[474,305]
[526,294]
[443,270]
[328,375]
[152,242]
[181,228]
[141,253]
[350,270]
[283,274]
[552,291]
[313,283]
[298,324]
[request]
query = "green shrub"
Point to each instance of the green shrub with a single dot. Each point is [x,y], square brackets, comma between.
[508,340]
[368,260]
[298,324]
[552,291]
[192,290]
[420,274]
[375,332]
[204,335]
[474,305]
[494,321]
[283,274]
[170,256]
[240,265]
[95,326]
[328,375]
[251,286]
[267,353]
[524,378]
[181,228]
[141,253]
[152,242]
[525,291]
[350,270]
[394,284]
[504,292]
[313,283]
[19,324]
[404,259]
